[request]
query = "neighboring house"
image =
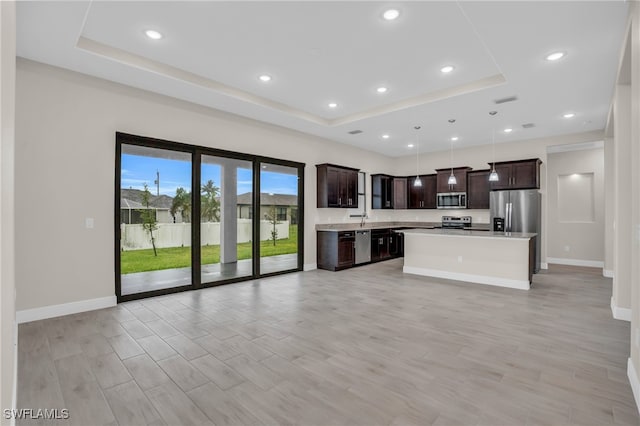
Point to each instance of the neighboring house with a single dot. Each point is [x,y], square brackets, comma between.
[131,204]
[286,206]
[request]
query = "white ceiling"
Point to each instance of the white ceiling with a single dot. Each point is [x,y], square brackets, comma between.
[319,52]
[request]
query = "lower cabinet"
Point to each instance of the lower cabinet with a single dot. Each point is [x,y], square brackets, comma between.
[335,250]
[396,243]
[380,244]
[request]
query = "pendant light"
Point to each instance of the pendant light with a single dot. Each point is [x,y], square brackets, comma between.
[452,179]
[417,182]
[493,176]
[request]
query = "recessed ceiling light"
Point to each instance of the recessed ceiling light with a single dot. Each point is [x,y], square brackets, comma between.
[333,105]
[381,89]
[385,136]
[455,138]
[410,145]
[508,130]
[265,78]
[391,14]
[153,34]
[569,115]
[446,69]
[555,56]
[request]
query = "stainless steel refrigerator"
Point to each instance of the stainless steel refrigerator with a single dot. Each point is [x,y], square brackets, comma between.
[517,211]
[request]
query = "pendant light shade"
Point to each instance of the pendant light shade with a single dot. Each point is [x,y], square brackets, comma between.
[452,178]
[493,176]
[417,182]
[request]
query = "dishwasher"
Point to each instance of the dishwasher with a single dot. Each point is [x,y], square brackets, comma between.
[363,246]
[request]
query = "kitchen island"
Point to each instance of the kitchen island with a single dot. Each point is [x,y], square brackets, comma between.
[483,257]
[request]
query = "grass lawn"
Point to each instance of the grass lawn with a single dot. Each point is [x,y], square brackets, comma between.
[180,257]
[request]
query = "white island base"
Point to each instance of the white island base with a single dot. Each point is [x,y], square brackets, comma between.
[505,260]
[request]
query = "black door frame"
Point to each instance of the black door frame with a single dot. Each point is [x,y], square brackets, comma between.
[196,156]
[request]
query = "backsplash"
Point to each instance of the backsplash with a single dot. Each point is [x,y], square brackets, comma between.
[343,215]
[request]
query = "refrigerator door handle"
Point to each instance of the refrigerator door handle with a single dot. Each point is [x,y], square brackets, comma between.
[509,209]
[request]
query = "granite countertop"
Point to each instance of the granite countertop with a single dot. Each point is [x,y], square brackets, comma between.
[470,233]
[337,227]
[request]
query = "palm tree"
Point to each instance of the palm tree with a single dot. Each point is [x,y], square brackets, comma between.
[181,203]
[210,205]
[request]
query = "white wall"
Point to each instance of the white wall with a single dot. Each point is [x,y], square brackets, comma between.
[622,165]
[7,206]
[575,233]
[635,194]
[609,204]
[66,124]
[625,300]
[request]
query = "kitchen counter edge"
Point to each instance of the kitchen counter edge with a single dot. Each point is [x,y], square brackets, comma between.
[339,227]
[470,233]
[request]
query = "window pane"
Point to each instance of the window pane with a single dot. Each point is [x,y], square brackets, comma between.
[278,207]
[226,229]
[155,216]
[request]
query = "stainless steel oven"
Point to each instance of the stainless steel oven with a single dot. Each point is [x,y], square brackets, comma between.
[451,200]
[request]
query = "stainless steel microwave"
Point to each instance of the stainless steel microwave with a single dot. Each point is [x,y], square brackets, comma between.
[451,200]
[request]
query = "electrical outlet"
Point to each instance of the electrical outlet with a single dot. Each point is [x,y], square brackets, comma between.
[459,259]
[567,248]
[88,223]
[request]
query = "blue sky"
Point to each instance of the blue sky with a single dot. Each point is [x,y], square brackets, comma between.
[138,170]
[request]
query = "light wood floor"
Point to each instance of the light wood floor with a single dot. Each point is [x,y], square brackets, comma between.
[367,346]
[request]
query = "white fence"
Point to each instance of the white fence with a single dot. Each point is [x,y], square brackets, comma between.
[134,237]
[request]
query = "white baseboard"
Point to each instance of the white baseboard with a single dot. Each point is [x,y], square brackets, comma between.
[35,314]
[477,279]
[619,313]
[575,262]
[608,273]
[309,266]
[544,265]
[634,381]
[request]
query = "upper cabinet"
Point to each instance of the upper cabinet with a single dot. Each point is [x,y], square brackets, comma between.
[337,186]
[443,180]
[424,196]
[399,192]
[521,174]
[478,187]
[382,191]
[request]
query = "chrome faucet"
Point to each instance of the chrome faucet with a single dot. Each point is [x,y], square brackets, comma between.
[364,216]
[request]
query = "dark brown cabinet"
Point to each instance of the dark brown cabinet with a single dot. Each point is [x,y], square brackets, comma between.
[422,197]
[478,188]
[382,191]
[400,193]
[337,186]
[396,243]
[461,180]
[521,174]
[380,244]
[336,250]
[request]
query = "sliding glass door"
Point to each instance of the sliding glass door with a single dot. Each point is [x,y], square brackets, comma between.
[226,218]
[247,209]
[279,207]
[155,219]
